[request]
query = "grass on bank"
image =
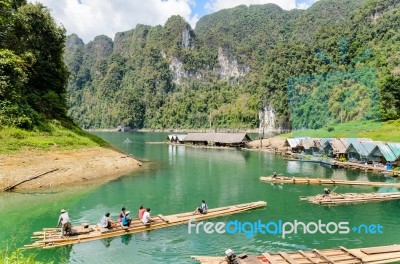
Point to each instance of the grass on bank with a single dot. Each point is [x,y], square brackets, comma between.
[388,131]
[52,135]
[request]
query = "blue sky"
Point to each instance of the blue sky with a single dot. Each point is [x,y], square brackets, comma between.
[90,18]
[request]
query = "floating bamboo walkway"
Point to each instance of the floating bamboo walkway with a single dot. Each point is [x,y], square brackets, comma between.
[341,255]
[283,179]
[52,237]
[349,198]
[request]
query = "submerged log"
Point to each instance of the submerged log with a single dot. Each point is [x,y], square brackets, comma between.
[10,188]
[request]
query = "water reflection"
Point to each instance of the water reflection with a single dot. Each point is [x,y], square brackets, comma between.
[125,239]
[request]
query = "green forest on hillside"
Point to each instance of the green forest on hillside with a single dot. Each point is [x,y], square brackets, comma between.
[236,61]
[32,70]
[33,81]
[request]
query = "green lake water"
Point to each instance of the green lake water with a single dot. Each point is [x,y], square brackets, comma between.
[175,179]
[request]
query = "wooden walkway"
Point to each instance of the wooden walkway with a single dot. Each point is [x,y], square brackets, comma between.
[297,180]
[341,255]
[350,198]
[52,237]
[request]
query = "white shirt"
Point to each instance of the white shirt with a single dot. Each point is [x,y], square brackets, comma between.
[145,218]
[64,218]
[104,221]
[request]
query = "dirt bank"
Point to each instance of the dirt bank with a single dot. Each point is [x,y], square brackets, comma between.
[274,144]
[75,166]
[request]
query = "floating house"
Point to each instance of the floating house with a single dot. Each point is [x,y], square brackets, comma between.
[395,148]
[311,146]
[339,149]
[325,146]
[356,149]
[295,144]
[379,152]
[176,138]
[217,139]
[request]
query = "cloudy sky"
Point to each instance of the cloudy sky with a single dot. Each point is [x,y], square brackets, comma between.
[89,18]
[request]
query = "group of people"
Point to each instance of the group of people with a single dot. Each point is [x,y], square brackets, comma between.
[124,218]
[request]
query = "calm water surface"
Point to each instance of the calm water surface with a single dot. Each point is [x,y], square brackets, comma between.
[175,179]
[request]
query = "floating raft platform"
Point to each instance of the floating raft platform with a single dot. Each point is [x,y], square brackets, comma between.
[341,255]
[52,237]
[350,198]
[297,180]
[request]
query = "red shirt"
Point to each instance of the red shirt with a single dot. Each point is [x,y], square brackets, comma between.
[141,212]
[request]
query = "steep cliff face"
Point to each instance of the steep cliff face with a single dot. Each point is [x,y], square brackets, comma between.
[230,68]
[234,65]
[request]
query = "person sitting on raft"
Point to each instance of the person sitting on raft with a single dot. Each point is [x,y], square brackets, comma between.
[327,192]
[146,217]
[106,221]
[202,209]
[141,212]
[121,214]
[126,221]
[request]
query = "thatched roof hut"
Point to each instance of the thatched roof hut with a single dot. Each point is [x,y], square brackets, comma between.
[217,139]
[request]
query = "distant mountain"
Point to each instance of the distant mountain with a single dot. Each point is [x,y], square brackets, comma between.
[233,70]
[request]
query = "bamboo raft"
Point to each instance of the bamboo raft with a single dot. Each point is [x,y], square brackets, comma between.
[283,179]
[341,255]
[349,198]
[52,237]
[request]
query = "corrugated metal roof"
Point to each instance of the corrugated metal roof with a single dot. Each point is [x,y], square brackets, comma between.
[338,146]
[308,143]
[294,142]
[369,146]
[385,150]
[348,141]
[324,142]
[395,148]
[357,146]
[225,138]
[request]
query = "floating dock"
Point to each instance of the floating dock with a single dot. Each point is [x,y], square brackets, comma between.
[52,237]
[341,255]
[301,180]
[350,198]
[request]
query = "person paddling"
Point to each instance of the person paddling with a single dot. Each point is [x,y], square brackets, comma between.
[64,222]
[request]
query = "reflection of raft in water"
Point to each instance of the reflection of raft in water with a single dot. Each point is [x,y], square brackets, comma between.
[282,179]
[341,255]
[348,198]
[51,237]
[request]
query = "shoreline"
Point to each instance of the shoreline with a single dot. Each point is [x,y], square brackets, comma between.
[71,167]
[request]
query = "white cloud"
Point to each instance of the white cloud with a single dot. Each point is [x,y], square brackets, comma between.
[89,18]
[305,4]
[215,5]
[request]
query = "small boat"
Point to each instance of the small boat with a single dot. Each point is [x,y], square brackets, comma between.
[52,237]
[350,198]
[341,255]
[301,180]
